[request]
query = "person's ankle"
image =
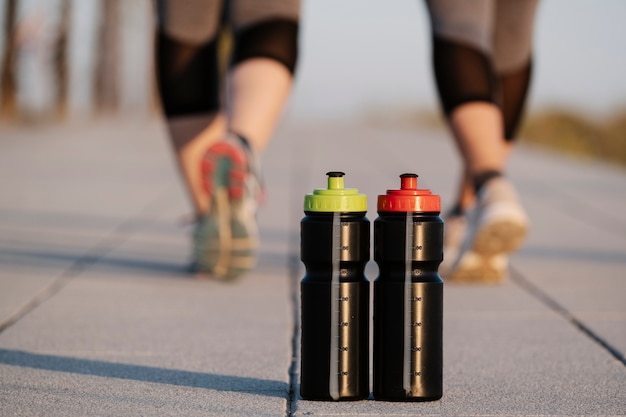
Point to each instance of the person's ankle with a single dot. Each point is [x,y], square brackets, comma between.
[244,141]
[481,178]
[456,210]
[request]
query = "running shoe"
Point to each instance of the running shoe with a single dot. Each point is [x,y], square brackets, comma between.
[226,237]
[497,226]
[455,228]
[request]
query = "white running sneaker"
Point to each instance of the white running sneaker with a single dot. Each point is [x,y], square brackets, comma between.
[455,227]
[498,226]
[226,237]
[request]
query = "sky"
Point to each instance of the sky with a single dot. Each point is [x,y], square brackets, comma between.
[361,56]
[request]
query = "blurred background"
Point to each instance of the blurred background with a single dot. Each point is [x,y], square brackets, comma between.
[63,61]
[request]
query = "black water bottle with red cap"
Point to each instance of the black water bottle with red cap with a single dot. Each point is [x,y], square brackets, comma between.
[408,295]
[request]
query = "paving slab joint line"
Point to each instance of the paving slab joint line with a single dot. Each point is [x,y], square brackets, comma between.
[93,254]
[96,252]
[41,297]
[551,303]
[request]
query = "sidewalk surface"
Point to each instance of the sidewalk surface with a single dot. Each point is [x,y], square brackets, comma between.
[99,317]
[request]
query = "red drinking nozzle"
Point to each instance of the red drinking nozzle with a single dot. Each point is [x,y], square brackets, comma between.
[409,198]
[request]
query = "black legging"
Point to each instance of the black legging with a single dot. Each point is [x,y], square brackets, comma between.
[186,46]
[482,52]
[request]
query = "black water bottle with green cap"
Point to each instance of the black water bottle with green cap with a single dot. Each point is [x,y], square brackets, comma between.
[408,295]
[335,296]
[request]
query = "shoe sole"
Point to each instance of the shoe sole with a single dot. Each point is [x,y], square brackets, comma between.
[497,238]
[225,242]
[478,269]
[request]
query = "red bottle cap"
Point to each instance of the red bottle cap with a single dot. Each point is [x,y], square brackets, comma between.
[408,198]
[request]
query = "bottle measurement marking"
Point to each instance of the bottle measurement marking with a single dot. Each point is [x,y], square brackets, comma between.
[412,313]
[417,329]
[413,328]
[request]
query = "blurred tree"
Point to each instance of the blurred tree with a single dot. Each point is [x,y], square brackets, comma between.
[7,72]
[75,58]
[107,94]
[60,59]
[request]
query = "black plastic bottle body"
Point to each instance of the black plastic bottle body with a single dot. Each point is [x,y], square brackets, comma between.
[408,307]
[335,306]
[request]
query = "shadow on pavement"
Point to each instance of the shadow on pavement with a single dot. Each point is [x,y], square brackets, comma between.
[46,258]
[145,373]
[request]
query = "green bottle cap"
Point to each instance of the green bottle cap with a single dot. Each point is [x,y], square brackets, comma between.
[335,198]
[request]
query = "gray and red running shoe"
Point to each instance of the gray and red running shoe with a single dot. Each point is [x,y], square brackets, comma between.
[226,237]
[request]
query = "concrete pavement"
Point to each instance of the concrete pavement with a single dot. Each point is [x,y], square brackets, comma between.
[98,315]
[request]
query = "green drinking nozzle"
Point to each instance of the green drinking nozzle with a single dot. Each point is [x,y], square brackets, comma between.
[335,198]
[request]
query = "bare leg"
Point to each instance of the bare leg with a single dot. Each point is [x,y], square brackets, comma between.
[190,137]
[472,127]
[477,128]
[258,90]
[500,223]
[226,238]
